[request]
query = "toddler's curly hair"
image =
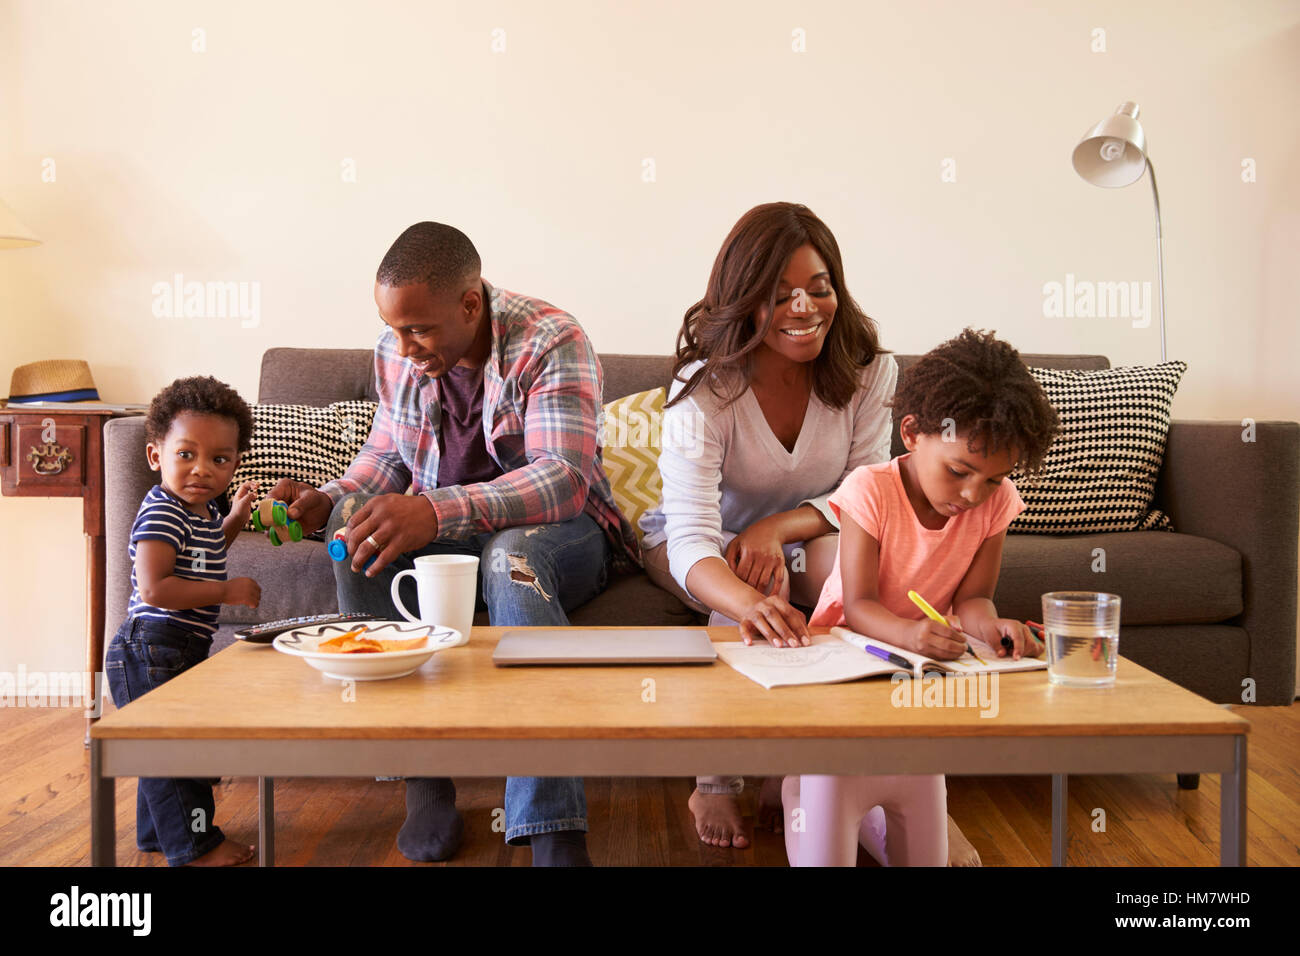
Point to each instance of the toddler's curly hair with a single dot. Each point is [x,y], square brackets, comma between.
[203,395]
[981,384]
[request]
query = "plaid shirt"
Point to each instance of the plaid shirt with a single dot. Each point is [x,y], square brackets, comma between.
[541,398]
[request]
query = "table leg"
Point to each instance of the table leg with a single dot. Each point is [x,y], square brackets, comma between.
[95,612]
[1060,835]
[103,836]
[1232,808]
[265,821]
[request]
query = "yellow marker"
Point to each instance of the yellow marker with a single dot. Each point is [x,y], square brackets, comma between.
[934,615]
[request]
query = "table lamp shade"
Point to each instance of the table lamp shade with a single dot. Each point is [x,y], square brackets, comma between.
[13,234]
[1113,153]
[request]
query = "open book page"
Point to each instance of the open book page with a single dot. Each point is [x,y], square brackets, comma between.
[962,665]
[827,660]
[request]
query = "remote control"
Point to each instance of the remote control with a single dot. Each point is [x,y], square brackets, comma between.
[266,633]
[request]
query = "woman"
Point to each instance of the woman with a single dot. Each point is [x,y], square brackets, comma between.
[779,391]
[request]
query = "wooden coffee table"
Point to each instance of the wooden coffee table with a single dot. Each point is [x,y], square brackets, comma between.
[251,711]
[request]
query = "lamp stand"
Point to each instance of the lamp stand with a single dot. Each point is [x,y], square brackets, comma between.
[1160,261]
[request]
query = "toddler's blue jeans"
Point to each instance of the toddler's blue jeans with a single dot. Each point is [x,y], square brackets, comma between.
[171,814]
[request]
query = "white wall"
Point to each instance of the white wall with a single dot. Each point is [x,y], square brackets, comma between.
[226,165]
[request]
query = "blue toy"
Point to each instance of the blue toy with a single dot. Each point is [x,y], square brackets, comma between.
[338,548]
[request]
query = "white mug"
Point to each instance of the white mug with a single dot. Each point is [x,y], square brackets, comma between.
[447,586]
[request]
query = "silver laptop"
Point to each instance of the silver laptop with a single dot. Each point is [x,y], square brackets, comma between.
[580,645]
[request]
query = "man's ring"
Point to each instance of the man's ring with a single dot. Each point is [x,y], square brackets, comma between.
[373,543]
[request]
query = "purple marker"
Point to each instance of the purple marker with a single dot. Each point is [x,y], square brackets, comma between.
[885,655]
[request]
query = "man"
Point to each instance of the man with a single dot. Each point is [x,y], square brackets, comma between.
[488,405]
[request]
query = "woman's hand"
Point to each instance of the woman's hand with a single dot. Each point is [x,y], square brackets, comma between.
[775,620]
[757,558]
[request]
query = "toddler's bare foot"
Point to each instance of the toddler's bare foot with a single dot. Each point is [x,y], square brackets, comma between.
[960,851]
[771,814]
[226,853]
[717,819]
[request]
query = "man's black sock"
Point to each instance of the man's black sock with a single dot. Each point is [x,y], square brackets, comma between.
[434,828]
[561,848]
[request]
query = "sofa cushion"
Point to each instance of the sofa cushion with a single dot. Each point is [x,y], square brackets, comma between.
[630,452]
[1207,659]
[630,600]
[297,579]
[633,600]
[626,374]
[1161,578]
[316,376]
[304,443]
[1100,473]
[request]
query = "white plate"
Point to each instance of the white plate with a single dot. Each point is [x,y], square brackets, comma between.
[381,666]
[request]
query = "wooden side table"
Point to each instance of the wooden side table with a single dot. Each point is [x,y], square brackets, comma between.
[54,453]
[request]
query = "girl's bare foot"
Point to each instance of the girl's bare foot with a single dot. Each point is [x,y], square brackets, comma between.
[226,853]
[717,819]
[771,814]
[960,851]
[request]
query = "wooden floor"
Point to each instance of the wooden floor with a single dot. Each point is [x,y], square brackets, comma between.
[44,795]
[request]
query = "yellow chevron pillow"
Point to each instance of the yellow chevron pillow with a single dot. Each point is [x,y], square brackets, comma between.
[630,436]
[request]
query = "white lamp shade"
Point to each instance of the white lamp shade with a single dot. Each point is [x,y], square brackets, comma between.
[1113,153]
[13,233]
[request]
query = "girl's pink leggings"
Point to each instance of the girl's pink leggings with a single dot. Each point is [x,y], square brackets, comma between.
[826,817]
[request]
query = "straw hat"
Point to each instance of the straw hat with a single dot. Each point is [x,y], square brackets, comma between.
[53,380]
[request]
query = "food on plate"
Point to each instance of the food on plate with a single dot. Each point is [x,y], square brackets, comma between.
[353,643]
[407,645]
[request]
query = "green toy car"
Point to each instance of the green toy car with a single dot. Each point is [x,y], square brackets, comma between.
[272,517]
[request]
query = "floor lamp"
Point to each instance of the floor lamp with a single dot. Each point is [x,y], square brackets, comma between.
[1114,153]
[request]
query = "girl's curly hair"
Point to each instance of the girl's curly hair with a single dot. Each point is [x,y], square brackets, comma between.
[979,384]
[203,395]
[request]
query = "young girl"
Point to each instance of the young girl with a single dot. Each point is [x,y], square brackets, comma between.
[197,429]
[932,520]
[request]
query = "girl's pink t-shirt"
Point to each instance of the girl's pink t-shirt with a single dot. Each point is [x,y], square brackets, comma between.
[912,557]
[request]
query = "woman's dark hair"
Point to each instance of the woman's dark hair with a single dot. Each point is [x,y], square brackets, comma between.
[721,329]
[203,395]
[977,385]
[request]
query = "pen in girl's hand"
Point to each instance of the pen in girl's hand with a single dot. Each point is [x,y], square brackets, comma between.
[938,618]
[1034,630]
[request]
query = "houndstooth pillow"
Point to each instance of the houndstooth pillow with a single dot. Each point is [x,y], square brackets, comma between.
[304,443]
[1100,473]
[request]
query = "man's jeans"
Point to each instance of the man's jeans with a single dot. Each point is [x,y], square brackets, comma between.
[171,814]
[528,576]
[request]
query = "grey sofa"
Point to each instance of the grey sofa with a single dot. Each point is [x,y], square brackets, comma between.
[1207,606]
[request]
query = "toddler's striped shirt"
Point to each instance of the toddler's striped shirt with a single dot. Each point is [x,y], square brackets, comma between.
[200,555]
